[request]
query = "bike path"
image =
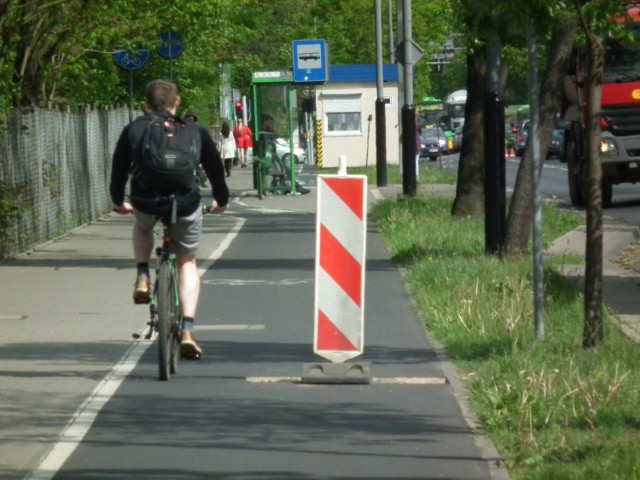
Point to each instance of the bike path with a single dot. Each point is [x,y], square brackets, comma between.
[68,319]
[222,418]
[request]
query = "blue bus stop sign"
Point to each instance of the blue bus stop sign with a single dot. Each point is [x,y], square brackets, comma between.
[131,61]
[310,61]
[171,45]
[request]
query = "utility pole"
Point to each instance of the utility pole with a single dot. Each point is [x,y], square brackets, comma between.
[400,65]
[534,137]
[381,138]
[408,109]
[495,196]
[392,58]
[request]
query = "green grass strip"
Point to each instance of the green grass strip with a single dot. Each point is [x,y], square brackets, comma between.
[553,409]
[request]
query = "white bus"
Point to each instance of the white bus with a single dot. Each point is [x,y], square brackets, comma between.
[455,105]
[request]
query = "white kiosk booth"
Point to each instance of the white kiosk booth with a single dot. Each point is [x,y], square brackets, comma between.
[345,115]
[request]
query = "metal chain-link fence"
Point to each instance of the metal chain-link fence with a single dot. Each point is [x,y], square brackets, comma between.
[55,169]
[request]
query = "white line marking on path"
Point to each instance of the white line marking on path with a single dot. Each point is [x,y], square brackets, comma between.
[13,317]
[217,253]
[239,282]
[229,328]
[81,421]
[84,417]
[63,269]
[375,380]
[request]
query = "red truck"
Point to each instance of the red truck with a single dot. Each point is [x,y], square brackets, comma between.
[620,122]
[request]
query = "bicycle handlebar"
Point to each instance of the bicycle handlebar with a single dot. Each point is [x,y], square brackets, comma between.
[205,209]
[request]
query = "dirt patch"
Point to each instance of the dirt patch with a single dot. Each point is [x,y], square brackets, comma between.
[629,258]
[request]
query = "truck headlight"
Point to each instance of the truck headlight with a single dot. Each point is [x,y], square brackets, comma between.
[608,146]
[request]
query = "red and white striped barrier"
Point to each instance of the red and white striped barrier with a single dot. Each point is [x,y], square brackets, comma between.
[341,226]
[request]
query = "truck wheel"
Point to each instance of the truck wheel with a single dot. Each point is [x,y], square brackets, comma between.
[574,171]
[607,193]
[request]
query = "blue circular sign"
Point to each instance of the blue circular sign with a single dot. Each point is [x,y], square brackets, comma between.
[171,45]
[131,61]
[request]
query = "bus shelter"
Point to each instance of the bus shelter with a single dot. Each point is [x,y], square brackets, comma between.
[275,98]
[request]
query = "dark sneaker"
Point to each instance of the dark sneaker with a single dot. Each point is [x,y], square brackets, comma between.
[301,190]
[142,290]
[190,346]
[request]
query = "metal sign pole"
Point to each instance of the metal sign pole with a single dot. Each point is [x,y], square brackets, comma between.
[381,121]
[130,95]
[538,274]
[292,162]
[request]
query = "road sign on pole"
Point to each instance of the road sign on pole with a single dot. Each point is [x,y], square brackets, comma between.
[340,266]
[310,61]
[131,60]
[171,45]
[416,53]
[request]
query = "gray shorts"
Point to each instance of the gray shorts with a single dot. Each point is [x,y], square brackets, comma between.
[185,232]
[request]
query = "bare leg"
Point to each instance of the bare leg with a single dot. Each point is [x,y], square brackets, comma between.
[189,288]
[142,243]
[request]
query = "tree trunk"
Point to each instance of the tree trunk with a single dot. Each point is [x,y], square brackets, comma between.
[520,215]
[469,200]
[593,327]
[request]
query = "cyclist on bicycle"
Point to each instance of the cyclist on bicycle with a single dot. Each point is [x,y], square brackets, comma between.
[163,100]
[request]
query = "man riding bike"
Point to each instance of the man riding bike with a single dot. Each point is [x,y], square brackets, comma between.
[162,103]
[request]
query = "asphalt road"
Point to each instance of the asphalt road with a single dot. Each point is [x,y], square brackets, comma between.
[553,185]
[240,412]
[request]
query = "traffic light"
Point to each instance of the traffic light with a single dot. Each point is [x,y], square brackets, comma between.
[309,105]
[238,109]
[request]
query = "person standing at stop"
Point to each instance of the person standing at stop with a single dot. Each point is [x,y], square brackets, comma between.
[244,139]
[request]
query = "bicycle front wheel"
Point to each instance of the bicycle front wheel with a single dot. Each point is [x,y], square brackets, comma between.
[166,304]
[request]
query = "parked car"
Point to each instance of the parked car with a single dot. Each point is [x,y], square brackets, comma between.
[283,152]
[521,137]
[510,136]
[457,139]
[556,147]
[433,143]
[561,131]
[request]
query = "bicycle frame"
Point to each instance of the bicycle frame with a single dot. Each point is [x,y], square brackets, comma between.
[166,317]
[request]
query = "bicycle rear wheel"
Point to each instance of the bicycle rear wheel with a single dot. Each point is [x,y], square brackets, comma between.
[166,305]
[176,330]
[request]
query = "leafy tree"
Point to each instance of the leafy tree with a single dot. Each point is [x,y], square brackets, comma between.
[520,216]
[596,19]
[469,199]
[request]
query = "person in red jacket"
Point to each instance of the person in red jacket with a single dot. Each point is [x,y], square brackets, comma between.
[244,140]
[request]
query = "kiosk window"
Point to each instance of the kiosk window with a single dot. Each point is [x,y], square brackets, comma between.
[343,114]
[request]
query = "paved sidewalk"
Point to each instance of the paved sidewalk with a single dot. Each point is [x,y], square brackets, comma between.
[621,272]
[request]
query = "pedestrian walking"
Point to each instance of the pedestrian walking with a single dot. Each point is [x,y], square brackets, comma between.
[244,139]
[227,147]
[192,116]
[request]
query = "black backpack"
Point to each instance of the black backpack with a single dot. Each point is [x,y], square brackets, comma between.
[170,154]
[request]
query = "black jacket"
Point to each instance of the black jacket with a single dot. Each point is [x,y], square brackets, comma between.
[149,202]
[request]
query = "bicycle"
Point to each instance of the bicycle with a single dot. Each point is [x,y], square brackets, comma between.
[165,302]
[164,308]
